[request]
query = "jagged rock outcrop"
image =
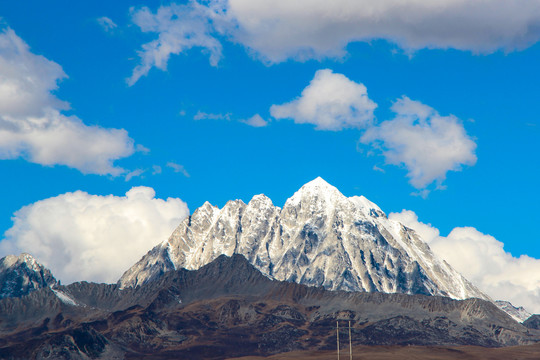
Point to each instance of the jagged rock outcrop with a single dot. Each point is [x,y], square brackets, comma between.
[20,275]
[533,322]
[319,238]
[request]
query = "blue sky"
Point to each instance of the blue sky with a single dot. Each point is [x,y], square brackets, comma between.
[440,115]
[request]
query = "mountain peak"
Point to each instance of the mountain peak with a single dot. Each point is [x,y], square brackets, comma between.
[24,258]
[318,183]
[261,200]
[317,189]
[19,275]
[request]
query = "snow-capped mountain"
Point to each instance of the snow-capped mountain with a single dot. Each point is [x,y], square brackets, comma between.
[20,275]
[517,313]
[319,238]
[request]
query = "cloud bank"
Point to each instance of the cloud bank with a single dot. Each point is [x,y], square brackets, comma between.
[80,236]
[306,29]
[32,125]
[316,29]
[481,259]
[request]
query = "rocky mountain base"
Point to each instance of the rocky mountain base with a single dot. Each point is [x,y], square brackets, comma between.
[229,309]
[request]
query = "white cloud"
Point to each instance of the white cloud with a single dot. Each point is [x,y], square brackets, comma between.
[304,29]
[426,143]
[178,168]
[106,23]
[142,149]
[331,102]
[90,237]
[315,29]
[255,121]
[27,80]
[179,28]
[209,116]
[135,173]
[32,125]
[481,259]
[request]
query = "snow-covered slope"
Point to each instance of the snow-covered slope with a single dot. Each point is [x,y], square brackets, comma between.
[19,275]
[517,313]
[319,238]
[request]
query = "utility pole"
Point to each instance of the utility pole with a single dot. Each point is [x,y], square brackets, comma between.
[350,340]
[337,332]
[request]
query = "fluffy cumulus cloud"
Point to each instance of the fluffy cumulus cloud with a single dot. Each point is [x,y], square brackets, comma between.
[32,125]
[80,236]
[178,28]
[304,29]
[331,102]
[481,259]
[426,143]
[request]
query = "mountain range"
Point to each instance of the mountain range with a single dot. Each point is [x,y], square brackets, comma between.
[319,238]
[256,279]
[228,308]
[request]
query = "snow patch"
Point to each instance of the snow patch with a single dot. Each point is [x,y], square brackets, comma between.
[65,298]
[517,313]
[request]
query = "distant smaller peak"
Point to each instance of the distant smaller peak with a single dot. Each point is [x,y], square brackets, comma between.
[206,208]
[261,198]
[25,271]
[207,204]
[11,260]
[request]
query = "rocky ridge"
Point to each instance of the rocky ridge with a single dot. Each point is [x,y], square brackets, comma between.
[517,313]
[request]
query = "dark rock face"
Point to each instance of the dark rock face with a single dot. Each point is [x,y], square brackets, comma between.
[21,275]
[229,309]
[404,330]
[533,322]
[82,342]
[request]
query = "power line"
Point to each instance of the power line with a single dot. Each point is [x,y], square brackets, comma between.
[350,340]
